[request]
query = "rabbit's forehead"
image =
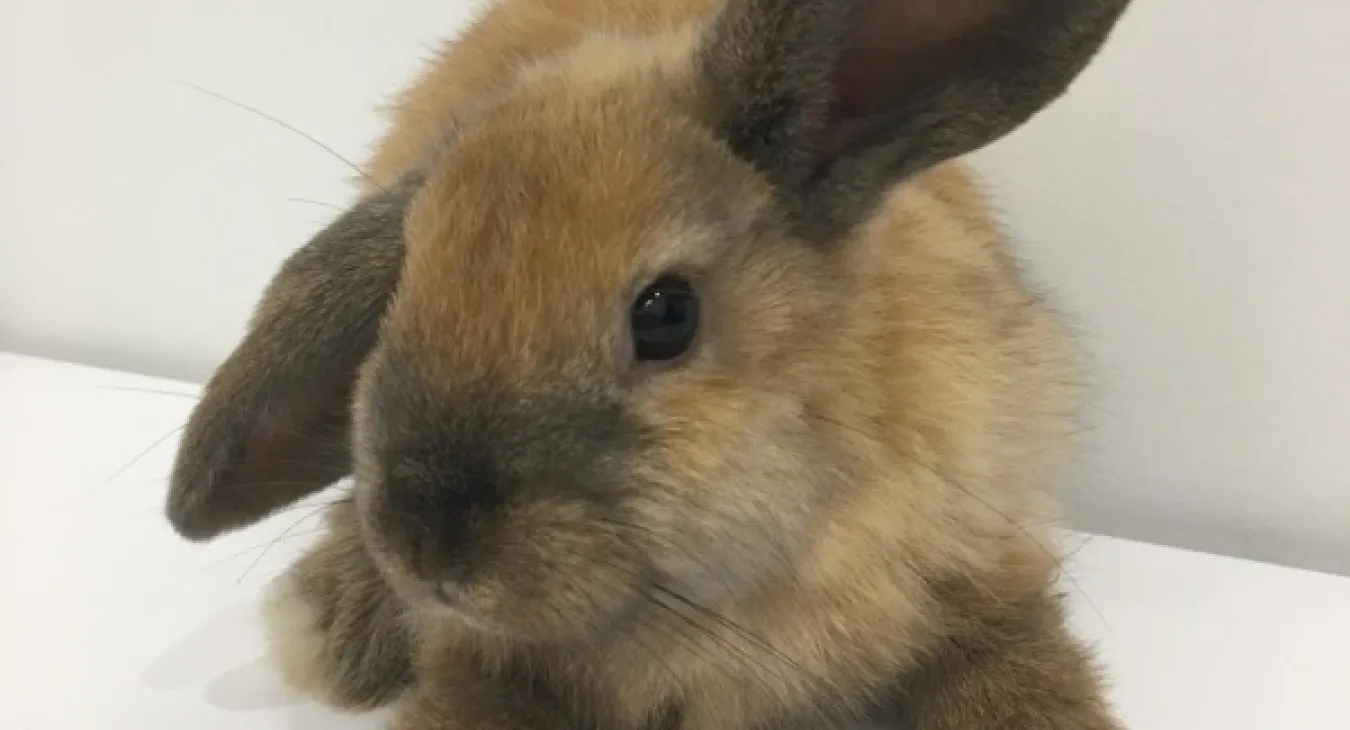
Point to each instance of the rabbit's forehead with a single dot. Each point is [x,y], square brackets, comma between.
[542,219]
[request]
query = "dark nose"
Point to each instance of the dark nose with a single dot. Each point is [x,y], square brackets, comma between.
[450,586]
[434,513]
[447,592]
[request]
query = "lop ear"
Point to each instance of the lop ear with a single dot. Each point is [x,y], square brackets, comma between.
[273,423]
[837,100]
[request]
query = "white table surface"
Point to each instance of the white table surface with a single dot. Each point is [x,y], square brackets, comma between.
[110,621]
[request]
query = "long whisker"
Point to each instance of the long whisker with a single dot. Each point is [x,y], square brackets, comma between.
[737,628]
[712,571]
[333,446]
[355,167]
[727,623]
[123,469]
[315,202]
[269,484]
[663,541]
[155,391]
[657,658]
[1062,571]
[278,539]
[680,638]
[645,622]
[306,504]
[736,653]
[687,632]
[679,634]
[263,546]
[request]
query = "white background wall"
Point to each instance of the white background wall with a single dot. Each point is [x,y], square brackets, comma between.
[1185,201]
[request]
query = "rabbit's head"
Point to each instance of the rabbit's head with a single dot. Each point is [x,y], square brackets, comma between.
[589,348]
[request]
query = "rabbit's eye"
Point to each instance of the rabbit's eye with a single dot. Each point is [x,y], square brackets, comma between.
[664,320]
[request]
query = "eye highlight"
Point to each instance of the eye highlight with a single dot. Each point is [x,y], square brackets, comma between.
[664,320]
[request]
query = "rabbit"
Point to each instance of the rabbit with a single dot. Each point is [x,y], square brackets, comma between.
[683,378]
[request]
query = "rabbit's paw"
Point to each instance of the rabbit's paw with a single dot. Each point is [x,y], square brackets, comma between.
[338,638]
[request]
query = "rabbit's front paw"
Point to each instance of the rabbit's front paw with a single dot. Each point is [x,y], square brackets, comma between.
[337,632]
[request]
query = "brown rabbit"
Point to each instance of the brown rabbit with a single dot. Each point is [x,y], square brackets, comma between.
[685,381]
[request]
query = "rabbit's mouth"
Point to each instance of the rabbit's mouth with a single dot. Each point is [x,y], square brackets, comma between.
[536,569]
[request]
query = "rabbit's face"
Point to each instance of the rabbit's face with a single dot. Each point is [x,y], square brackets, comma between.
[590,387]
[581,359]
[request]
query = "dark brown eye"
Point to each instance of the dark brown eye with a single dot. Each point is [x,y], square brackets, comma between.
[664,320]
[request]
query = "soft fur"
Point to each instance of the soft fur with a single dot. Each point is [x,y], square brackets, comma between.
[832,514]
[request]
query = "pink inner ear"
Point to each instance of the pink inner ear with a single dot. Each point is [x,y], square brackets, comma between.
[296,451]
[896,46]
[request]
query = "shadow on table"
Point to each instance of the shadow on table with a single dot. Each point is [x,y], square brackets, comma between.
[253,686]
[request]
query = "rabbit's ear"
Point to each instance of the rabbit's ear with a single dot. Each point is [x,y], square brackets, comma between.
[837,100]
[274,420]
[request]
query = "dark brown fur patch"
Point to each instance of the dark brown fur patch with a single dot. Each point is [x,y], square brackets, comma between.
[837,102]
[273,422]
[1006,661]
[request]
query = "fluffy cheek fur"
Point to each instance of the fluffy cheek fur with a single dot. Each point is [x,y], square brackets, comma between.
[729,505]
[737,477]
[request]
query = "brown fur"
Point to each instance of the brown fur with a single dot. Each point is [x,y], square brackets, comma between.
[832,513]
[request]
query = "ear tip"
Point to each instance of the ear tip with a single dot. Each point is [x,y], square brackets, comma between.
[196,506]
[188,517]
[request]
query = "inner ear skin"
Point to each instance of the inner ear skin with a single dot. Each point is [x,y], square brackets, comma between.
[283,463]
[910,39]
[837,102]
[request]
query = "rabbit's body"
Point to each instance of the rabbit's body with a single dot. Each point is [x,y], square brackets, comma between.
[826,507]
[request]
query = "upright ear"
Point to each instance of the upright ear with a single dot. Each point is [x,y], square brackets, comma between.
[835,101]
[274,421]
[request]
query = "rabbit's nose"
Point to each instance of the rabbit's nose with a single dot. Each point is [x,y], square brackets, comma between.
[450,588]
[447,592]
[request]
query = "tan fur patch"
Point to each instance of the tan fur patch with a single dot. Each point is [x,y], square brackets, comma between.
[488,57]
[291,625]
